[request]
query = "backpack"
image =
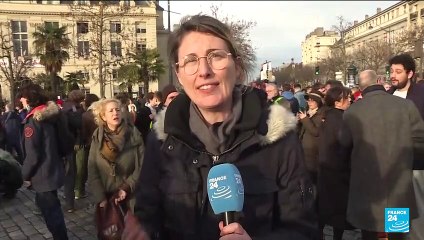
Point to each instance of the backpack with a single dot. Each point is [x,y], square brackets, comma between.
[66,140]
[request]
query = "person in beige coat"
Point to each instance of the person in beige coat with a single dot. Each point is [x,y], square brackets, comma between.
[116,155]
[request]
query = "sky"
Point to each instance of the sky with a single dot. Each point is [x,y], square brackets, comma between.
[281,26]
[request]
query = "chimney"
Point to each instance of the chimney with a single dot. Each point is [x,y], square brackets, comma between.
[378,10]
[366,16]
[355,22]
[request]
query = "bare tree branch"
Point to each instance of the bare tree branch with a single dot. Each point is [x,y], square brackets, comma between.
[100,18]
[241,33]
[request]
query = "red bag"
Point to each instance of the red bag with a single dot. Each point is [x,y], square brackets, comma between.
[110,220]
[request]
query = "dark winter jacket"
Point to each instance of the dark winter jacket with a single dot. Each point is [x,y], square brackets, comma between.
[333,171]
[42,165]
[416,95]
[309,136]
[12,127]
[74,113]
[10,172]
[88,127]
[172,200]
[383,132]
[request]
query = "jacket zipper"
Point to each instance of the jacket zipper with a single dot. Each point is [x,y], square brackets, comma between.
[215,158]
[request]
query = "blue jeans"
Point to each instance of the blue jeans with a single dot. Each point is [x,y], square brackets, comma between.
[50,208]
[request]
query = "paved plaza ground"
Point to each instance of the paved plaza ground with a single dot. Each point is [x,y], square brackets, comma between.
[18,222]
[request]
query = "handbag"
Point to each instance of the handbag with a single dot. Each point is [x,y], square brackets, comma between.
[110,220]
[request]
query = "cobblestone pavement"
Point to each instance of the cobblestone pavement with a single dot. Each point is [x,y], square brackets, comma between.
[17,220]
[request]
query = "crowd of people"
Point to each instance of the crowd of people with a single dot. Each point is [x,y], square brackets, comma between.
[323,155]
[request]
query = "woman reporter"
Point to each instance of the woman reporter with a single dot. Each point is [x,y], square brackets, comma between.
[215,121]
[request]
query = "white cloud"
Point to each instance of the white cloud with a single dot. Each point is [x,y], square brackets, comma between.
[281,25]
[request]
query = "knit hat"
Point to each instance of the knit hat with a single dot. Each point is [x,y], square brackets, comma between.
[167,90]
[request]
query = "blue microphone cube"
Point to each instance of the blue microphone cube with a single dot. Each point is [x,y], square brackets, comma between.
[225,188]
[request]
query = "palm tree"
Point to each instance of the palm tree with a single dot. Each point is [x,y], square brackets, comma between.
[49,44]
[74,79]
[128,75]
[150,65]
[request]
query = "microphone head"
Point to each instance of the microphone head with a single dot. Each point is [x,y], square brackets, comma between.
[225,188]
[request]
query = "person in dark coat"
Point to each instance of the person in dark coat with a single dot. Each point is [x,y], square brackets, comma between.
[10,175]
[383,134]
[334,167]
[73,109]
[88,126]
[13,131]
[43,169]
[218,121]
[402,71]
[309,133]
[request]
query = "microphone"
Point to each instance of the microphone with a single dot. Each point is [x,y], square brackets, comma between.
[225,191]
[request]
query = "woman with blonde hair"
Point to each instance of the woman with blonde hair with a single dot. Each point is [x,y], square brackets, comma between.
[115,157]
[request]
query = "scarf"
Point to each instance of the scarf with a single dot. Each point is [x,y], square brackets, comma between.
[312,112]
[113,141]
[216,137]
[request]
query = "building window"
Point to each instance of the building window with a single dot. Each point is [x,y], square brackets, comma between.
[82,2]
[115,27]
[20,38]
[114,73]
[140,27]
[140,46]
[115,2]
[127,2]
[49,1]
[82,27]
[51,24]
[140,2]
[83,49]
[116,49]
[39,2]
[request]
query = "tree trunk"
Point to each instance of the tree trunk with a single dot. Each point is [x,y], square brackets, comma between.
[12,81]
[130,89]
[146,85]
[146,79]
[100,48]
[12,94]
[53,82]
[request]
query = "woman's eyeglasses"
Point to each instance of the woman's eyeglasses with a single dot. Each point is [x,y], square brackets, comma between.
[217,59]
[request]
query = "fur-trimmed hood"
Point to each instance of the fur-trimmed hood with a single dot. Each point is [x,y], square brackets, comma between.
[279,122]
[45,112]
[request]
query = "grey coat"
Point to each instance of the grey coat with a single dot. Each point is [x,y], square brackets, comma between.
[127,168]
[382,131]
